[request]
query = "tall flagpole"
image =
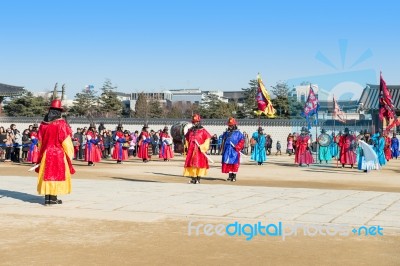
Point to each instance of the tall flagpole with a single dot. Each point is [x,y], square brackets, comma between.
[316,138]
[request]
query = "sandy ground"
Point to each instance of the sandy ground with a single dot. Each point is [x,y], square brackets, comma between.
[279,171]
[56,241]
[39,240]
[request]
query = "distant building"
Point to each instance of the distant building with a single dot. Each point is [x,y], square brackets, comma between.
[129,99]
[235,96]
[186,95]
[8,91]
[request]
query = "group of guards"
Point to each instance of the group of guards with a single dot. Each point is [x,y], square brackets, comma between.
[122,142]
[55,150]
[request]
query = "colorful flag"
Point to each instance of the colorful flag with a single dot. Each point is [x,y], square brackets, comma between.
[89,87]
[311,107]
[264,104]
[337,112]
[386,107]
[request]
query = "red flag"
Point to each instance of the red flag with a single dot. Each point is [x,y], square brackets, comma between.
[337,112]
[386,107]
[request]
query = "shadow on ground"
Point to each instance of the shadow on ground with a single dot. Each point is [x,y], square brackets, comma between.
[135,180]
[22,196]
[203,178]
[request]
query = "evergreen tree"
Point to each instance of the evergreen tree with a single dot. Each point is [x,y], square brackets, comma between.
[213,107]
[250,103]
[285,105]
[110,105]
[155,109]
[85,103]
[141,107]
[27,105]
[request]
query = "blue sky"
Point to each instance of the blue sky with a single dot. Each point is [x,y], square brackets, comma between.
[157,45]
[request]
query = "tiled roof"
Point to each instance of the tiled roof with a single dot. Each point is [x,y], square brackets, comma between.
[370,96]
[9,90]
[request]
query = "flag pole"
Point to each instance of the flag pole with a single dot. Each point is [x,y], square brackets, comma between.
[334,125]
[316,138]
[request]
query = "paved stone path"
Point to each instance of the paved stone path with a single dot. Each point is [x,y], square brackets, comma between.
[153,201]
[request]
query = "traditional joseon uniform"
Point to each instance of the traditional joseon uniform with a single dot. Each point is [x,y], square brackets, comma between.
[92,151]
[33,153]
[232,143]
[119,153]
[144,145]
[166,143]
[259,155]
[303,154]
[387,149]
[346,144]
[333,146]
[395,147]
[290,141]
[197,141]
[55,155]
[368,160]
[337,140]
[379,145]
[324,153]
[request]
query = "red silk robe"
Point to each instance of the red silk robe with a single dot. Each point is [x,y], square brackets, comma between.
[196,162]
[347,155]
[55,154]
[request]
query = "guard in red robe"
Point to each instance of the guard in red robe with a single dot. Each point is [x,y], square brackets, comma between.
[303,154]
[33,153]
[197,141]
[388,148]
[166,145]
[92,151]
[232,144]
[55,154]
[119,153]
[144,144]
[347,146]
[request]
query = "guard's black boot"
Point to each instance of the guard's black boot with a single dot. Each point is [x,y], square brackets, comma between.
[198,180]
[46,199]
[54,200]
[233,177]
[230,177]
[193,181]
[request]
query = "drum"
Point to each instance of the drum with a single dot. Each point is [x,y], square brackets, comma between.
[178,132]
[324,140]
